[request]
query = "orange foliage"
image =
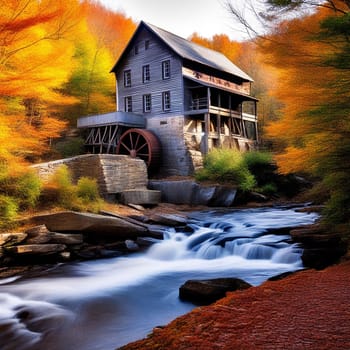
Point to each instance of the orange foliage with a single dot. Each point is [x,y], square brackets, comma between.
[304,84]
[33,36]
[221,43]
[35,56]
[112,28]
[38,42]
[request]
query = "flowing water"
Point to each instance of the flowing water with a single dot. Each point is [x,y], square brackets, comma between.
[103,304]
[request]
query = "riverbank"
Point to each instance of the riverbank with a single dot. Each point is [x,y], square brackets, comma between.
[307,310]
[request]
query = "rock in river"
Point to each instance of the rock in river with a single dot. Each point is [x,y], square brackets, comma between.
[91,224]
[205,292]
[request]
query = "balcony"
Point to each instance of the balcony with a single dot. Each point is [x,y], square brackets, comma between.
[199,104]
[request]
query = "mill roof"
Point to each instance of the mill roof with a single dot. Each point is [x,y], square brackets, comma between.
[189,51]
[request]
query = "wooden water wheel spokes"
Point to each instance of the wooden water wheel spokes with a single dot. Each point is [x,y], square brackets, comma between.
[140,143]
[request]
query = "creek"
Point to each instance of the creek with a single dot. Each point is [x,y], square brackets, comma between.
[103,304]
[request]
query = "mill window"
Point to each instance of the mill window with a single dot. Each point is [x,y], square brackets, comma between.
[166,69]
[127,78]
[146,74]
[147,103]
[128,104]
[166,100]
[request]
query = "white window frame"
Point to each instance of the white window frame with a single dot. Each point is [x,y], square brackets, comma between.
[146,73]
[166,100]
[128,104]
[166,69]
[127,78]
[147,103]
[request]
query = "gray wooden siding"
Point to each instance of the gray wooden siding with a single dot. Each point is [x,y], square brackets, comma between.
[156,53]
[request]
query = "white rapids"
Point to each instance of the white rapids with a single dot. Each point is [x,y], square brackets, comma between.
[107,303]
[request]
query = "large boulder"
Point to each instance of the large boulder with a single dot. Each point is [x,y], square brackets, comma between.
[320,249]
[205,292]
[93,225]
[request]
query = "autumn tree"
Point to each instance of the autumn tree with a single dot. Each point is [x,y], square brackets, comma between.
[35,56]
[101,37]
[114,29]
[311,52]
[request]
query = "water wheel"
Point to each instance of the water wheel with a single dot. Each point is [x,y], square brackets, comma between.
[142,144]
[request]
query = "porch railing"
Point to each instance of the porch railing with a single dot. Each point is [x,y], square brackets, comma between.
[199,103]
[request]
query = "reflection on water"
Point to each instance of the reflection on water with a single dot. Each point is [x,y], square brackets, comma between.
[106,303]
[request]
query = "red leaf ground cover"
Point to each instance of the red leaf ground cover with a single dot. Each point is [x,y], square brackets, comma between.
[307,310]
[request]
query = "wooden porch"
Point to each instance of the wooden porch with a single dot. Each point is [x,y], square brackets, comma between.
[223,122]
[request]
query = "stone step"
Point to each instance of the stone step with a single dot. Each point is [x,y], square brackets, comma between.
[140,197]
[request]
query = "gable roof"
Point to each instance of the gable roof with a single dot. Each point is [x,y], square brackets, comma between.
[190,51]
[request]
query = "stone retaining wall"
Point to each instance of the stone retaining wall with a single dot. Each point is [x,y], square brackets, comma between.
[114,173]
[192,193]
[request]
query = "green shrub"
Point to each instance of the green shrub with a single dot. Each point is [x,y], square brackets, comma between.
[8,211]
[226,166]
[27,189]
[88,195]
[19,189]
[61,181]
[261,165]
[81,197]
[257,158]
[268,189]
[87,189]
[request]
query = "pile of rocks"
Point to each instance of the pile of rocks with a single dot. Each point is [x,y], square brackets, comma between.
[68,235]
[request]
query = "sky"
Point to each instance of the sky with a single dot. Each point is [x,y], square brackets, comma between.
[181,17]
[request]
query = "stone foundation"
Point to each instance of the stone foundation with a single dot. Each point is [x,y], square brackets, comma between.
[176,159]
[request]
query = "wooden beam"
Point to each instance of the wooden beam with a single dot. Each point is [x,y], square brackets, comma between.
[206,132]
[218,121]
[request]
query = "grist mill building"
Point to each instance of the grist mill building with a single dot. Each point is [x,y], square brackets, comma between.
[176,101]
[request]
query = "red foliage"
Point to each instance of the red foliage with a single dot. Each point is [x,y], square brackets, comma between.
[308,310]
